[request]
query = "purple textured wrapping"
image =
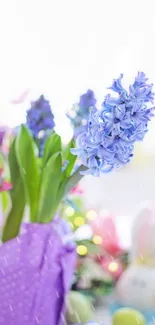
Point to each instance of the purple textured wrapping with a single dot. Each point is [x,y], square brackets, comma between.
[35,273]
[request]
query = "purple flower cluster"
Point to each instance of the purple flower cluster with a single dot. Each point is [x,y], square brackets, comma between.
[108,141]
[40,121]
[40,118]
[2,134]
[87,100]
[79,114]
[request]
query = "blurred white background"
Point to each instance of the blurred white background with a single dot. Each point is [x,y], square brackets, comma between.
[63,47]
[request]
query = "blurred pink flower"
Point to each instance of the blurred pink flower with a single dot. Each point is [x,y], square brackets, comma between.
[4,185]
[112,266]
[21,98]
[3,131]
[6,135]
[105,228]
[77,190]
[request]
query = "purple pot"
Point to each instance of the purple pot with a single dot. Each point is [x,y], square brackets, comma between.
[35,274]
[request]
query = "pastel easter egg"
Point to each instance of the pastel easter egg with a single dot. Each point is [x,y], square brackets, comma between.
[79,308]
[128,316]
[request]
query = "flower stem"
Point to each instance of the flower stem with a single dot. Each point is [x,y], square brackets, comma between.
[74,179]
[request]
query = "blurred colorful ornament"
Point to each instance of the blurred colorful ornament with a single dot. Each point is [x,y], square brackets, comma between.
[79,308]
[4,133]
[77,190]
[4,185]
[93,323]
[136,286]
[6,137]
[128,316]
[105,229]
[93,277]
[114,267]
[143,239]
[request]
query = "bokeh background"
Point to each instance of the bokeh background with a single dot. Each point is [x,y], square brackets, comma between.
[62,48]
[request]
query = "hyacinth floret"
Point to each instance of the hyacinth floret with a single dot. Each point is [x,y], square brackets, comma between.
[79,114]
[40,117]
[108,141]
[40,121]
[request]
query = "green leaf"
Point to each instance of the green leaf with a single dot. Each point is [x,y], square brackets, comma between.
[52,145]
[2,160]
[92,248]
[48,202]
[29,169]
[66,173]
[66,150]
[70,158]
[5,200]
[74,179]
[14,219]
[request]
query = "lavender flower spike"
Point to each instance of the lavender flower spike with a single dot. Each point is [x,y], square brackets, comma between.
[79,114]
[40,117]
[108,141]
[40,121]
[3,130]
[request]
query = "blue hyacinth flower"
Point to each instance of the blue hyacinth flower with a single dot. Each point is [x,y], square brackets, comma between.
[108,141]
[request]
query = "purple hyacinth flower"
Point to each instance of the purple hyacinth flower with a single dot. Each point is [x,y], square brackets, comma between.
[140,79]
[108,142]
[40,117]
[40,121]
[87,100]
[80,112]
[35,274]
[116,119]
[117,85]
[2,134]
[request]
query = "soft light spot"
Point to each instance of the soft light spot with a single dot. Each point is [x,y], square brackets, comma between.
[91,215]
[113,266]
[82,250]
[72,114]
[79,221]
[69,212]
[97,240]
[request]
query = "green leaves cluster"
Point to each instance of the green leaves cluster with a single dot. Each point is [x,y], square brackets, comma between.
[37,182]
